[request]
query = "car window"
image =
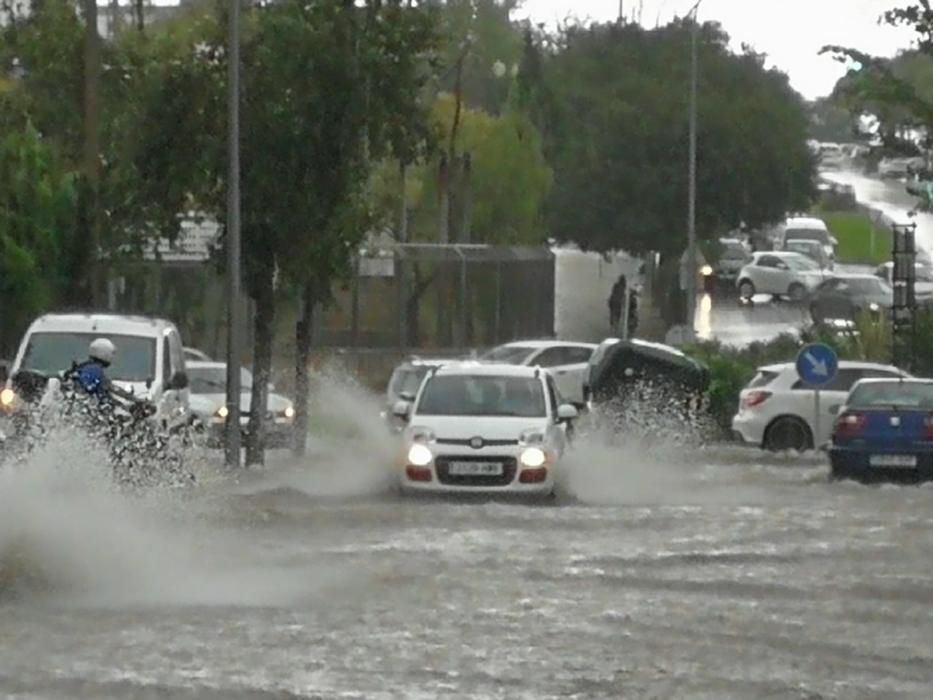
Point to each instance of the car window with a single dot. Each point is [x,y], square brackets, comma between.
[553,357]
[769,261]
[166,360]
[843,381]
[763,378]
[213,380]
[807,234]
[508,354]
[578,355]
[482,395]
[893,394]
[51,352]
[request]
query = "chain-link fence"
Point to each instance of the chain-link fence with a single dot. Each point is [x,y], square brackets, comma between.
[423,295]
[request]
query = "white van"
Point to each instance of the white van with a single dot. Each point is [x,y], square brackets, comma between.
[149,359]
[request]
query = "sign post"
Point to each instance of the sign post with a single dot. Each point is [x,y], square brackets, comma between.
[817,365]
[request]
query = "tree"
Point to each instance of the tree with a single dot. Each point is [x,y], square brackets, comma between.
[617,137]
[37,202]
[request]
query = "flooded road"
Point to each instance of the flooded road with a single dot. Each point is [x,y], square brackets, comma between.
[717,573]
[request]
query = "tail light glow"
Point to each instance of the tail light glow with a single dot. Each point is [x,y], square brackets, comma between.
[849,424]
[755,398]
[928,427]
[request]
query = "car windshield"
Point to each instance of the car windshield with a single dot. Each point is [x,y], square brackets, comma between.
[734,251]
[866,285]
[895,394]
[51,353]
[508,354]
[406,381]
[800,263]
[807,234]
[465,395]
[213,380]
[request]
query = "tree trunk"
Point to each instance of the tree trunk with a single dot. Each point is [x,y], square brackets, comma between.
[303,336]
[263,325]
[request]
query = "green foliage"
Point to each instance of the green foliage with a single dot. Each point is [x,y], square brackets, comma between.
[617,138]
[861,241]
[37,201]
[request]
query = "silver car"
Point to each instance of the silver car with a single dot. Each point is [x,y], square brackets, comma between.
[780,274]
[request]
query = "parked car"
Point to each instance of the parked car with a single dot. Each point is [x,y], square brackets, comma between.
[844,296]
[404,383]
[484,429]
[812,249]
[807,228]
[197,355]
[149,359]
[884,431]
[623,370]
[780,274]
[776,408]
[923,278]
[565,361]
[208,383]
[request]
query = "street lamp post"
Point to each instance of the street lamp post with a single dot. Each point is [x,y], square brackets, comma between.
[692,183]
[232,443]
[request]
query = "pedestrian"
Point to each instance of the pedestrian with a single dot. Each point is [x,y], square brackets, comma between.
[616,299]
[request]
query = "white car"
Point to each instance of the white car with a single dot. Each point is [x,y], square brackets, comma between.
[208,383]
[780,274]
[923,278]
[195,355]
[807,228]
[484,429]
[777,409]
[566,361]
[149,360]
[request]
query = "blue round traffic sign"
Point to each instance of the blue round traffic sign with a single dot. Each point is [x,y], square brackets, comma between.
[817,364]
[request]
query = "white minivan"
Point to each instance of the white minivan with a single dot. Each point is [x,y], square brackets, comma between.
[149,359]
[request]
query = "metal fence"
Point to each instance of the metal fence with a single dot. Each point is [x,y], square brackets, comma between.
[424,295]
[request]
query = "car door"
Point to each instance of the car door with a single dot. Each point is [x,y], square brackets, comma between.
[768,276]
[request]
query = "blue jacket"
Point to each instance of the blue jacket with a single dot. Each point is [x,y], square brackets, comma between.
[91,377]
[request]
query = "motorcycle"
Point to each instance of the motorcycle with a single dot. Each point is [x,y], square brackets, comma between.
[141,454]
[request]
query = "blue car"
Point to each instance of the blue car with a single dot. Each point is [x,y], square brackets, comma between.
[884,432]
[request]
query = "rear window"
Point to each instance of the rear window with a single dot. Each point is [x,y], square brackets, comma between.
[807,234]
[892,395]
[763,378]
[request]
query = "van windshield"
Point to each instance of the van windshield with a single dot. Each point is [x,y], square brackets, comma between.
[51,353]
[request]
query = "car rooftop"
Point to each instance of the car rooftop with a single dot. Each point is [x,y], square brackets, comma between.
[890,380]
[805,222]
[204,364]
[487,369]
[544,344]
[843,364]
[107,323]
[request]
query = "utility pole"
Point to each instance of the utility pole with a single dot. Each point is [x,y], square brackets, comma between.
[692,183]
[91,152]
[232,445]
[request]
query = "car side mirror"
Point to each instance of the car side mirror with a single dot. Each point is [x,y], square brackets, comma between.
[401,409]
[178,381]
[567,412]
[4,372]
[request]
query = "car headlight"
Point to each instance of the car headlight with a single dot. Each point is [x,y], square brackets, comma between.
[222,412]
[422,435]
[874,307]
[7,397]
[706,270]
[419,455]
[531,437]
[533,457]
[289,412]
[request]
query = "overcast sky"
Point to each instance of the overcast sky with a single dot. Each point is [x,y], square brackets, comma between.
[790,32]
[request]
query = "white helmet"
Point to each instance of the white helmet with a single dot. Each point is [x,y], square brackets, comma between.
[102,349]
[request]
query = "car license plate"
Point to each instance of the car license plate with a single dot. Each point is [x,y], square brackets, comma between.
[475,468]
[909,461]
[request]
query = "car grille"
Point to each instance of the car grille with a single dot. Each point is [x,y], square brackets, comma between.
[442,464]
[466,442]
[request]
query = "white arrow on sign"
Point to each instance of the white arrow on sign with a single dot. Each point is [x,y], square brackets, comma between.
[819,366]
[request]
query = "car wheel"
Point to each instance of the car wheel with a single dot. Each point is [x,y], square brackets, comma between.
[788,433]
[797,292]
[746,289]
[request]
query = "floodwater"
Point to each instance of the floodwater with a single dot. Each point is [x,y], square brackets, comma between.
[659,572]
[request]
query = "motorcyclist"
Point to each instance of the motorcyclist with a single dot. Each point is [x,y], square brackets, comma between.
[91,375]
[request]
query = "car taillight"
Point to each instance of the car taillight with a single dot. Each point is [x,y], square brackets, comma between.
[928,427]
[755,398]
[850,424]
